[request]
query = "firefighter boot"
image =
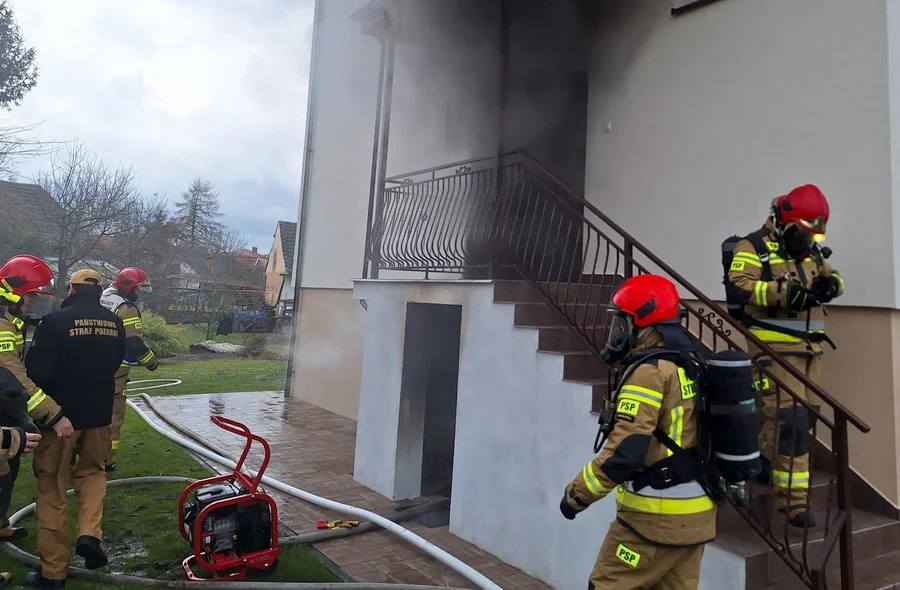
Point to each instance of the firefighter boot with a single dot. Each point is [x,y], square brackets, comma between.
[89,548]
[36,580]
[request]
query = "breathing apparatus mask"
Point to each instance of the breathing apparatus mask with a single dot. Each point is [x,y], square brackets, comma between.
[621,337]
[35,306]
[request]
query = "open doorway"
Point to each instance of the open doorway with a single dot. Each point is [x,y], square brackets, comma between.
[428,397]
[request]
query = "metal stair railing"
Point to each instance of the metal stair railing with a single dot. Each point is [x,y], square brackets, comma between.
[511,214]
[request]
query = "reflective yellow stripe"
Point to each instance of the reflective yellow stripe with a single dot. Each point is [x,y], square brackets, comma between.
[840,282]
[761,293]
[748,258]
[772,336]
[146,358]
[640,398]
[676,429]
[36,399]
[5,335]
[131,321]
[592,482]
[633,501]
[642,392]
[114,445]
[798,481]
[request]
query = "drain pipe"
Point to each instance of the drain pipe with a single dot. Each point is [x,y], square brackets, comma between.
[304,195]
[450,561]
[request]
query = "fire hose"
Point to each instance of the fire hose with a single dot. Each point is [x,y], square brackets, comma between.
[374,519]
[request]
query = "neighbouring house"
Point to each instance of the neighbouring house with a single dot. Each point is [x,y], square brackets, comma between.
[27,223]
[481,174]
[280,269]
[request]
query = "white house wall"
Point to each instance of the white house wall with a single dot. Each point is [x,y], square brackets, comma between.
[441,83]
[521,435]
[696,122]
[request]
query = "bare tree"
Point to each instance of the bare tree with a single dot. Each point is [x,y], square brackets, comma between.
[197,212]
[96,202]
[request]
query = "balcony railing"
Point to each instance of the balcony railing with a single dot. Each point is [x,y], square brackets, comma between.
[490,216]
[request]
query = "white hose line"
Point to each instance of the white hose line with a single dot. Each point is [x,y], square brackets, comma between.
[450,561]
[162,383]
[248,584]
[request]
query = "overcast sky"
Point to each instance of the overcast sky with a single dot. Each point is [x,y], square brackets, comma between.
[178,89]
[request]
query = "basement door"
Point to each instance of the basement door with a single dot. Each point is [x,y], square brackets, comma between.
[428,393]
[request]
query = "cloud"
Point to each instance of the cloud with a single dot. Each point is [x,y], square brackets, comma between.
[179,89]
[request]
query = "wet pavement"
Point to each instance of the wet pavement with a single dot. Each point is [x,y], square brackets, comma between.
[313,450]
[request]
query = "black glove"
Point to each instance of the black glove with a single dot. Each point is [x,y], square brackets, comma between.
[566,509]
[825,288]
[800,298]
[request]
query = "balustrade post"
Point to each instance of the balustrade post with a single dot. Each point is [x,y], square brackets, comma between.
[629,258]
[840,443]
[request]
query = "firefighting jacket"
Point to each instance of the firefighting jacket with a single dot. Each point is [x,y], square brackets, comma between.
[767,300]
[42,409]
[12,442]
[136,349]
[74,356]
[657,395]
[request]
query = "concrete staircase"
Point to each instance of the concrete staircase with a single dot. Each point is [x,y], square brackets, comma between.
[876,539]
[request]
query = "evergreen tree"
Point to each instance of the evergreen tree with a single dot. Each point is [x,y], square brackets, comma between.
[197,213]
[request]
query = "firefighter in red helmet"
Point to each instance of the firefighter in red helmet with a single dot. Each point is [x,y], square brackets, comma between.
[780,279]
[121,298]
[25,281]
[664,516]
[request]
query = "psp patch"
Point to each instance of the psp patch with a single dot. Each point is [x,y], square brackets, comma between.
[737,265]
[628,407]
[627,556]
[7,346]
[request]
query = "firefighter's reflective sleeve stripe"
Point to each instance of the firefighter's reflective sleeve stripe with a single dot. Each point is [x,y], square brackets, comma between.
[798,480]
[761,294]
[746,258]
[146,358]
[36,399]
[135,321]
[686,498]
[676,429]
[114,445]
[641,395]
[593,482]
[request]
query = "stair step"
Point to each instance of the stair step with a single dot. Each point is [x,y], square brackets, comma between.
[541,315]
[873,535]
[581,365]
[523,292]
[564,339]
[762,502]
[877,573]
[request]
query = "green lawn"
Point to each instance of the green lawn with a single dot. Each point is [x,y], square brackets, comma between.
[216,375]
[140,523]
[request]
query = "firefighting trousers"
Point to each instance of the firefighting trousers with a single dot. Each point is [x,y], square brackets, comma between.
[628,562]
[10,470]
[785,438]
[51,466]
[115,429]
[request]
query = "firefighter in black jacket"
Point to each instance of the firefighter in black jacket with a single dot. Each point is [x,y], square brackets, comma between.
[74,357]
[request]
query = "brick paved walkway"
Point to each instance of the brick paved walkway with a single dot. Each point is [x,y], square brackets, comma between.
[313,449]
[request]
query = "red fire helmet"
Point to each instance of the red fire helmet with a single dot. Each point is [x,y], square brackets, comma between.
[130,278]
[648,299]
[23,274]
[805,206]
